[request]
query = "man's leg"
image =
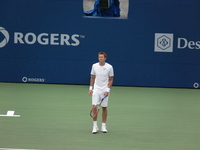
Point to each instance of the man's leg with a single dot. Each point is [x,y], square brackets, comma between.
[104,114]
[95,126]
[104,118]
[95,99]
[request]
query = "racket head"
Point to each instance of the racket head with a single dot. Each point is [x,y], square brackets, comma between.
[94,111]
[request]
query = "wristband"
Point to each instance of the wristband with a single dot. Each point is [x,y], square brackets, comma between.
[108,90]
[91,88]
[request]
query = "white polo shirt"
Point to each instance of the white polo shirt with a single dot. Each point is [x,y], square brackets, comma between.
[102,74]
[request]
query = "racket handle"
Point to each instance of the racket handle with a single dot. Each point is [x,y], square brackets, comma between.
[104,97]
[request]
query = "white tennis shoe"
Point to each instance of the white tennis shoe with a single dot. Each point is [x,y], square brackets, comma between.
[95,129]
[103,129]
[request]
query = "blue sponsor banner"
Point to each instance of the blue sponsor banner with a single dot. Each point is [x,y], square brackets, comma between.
[152,43]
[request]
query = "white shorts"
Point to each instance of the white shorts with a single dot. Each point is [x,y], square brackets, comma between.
[97,96]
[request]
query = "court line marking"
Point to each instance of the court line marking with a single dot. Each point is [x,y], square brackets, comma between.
[10,113]
[16,149]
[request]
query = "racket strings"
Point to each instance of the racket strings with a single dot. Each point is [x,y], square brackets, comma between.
[94,111]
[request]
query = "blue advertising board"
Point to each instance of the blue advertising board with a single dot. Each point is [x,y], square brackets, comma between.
[152,43]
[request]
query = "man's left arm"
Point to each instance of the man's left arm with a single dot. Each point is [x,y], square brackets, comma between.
[110,82]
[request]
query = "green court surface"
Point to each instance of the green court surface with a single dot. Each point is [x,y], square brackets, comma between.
[56,117]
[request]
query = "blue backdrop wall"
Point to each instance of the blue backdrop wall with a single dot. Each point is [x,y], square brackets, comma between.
[51,41]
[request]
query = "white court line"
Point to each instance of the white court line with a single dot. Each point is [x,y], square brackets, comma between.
[16,149]
[10,113]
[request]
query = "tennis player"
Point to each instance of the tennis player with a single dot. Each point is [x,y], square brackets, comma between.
[100,83]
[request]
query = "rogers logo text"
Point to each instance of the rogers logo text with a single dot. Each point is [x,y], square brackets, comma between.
[6,37]
[26,79]
[47,39]
[31,38]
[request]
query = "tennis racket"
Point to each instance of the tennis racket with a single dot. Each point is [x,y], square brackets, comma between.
[95,109]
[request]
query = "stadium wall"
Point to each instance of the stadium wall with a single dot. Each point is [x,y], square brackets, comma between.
[156,44]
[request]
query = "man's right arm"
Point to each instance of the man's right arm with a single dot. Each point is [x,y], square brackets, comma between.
[92,78]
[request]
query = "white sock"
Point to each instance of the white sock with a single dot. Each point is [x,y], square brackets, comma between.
[95,123]
[103,124]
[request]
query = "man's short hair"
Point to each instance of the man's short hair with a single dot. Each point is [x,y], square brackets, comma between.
[102,53]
